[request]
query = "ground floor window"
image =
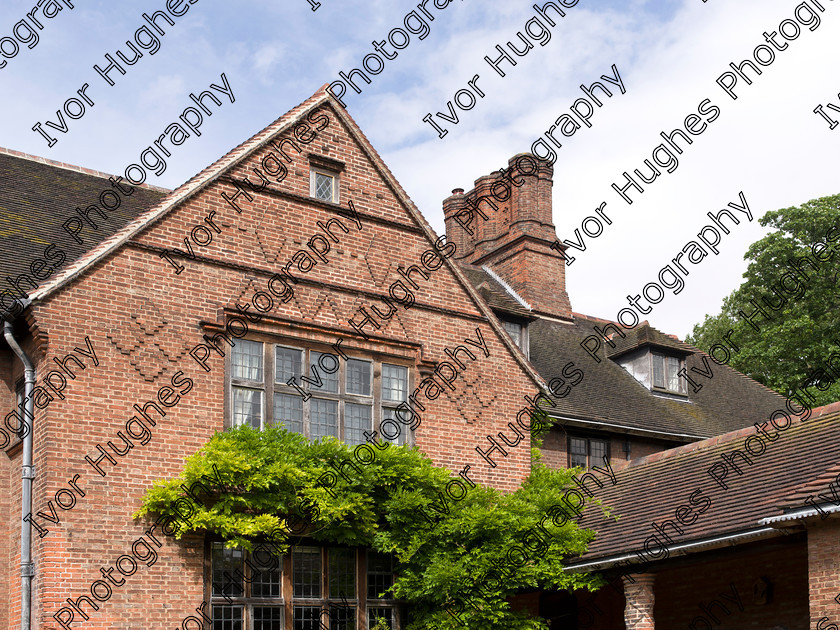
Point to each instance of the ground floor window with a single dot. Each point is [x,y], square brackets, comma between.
[588,452]
[312,588]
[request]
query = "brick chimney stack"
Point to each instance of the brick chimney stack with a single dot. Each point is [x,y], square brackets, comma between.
[504,222]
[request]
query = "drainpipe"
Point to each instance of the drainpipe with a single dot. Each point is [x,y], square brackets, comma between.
[27,570]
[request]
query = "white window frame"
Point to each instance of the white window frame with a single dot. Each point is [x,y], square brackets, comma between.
[387,406]
[660,356]
[318,170]
[241,383]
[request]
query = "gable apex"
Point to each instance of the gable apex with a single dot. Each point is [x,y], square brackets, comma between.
[239,155]
[185,191]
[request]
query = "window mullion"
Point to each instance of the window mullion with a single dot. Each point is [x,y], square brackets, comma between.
[376,385]
[325,579]
[361,588]
[268,385]
[342,394]
[650,368]
[307,404]
[286,590]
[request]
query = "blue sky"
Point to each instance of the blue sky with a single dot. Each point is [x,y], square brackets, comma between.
[767,143]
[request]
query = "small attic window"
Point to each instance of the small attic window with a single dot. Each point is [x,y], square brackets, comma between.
[324,185]
[515,332]
[324,176]
[518,333]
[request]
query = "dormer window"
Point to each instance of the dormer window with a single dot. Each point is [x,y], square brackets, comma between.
[666,373]
[655,369]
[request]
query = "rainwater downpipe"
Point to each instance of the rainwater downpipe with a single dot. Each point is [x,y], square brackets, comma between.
[27,474]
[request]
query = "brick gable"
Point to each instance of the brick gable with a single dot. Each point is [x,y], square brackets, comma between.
[143,319]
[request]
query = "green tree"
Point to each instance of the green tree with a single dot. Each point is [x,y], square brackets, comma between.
[789,350]
[446,544]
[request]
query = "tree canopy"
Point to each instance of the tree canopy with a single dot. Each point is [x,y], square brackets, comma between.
[799,296]
[447,536]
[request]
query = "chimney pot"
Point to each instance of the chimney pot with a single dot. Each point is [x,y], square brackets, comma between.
[457,191]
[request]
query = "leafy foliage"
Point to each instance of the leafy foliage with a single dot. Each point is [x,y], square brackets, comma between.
[788,350]
[268,479]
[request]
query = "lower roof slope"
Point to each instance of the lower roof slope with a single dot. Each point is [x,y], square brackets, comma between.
[650,489]
[609,394]
[38,195]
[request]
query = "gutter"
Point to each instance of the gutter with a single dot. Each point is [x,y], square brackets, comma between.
[732,539]
[625,429]
[27,568]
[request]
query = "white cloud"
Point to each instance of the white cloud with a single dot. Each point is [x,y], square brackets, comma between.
[768,143]
[266,59]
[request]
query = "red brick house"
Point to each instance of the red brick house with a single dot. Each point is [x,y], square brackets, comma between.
[293,281]
[300,247]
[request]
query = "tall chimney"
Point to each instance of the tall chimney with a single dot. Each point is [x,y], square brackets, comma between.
[504,222]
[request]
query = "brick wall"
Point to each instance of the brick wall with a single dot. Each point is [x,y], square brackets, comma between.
[10,492]
[143,319]
[688,590]
[9,508]
[824,572]
[694,589]
[640,596]
[555,448]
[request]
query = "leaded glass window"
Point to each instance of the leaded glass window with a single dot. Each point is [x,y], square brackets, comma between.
[317,393]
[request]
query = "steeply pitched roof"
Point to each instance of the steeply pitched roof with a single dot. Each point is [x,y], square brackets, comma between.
[650,489]
[38,195]
[609,394]
[494,294]
[239,154]
[185,191]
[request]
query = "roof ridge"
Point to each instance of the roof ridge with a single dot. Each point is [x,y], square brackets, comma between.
[825,409]
[73,167]
[506,287]
[593,317]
